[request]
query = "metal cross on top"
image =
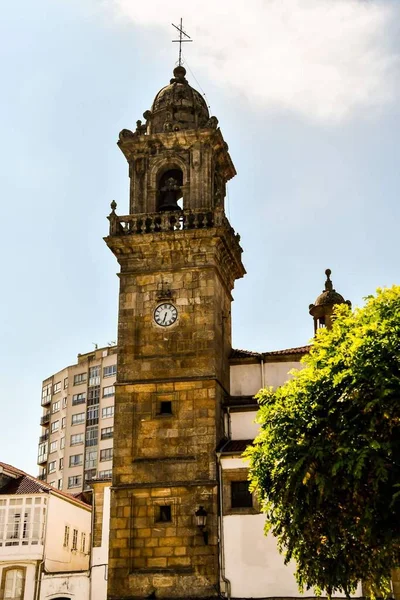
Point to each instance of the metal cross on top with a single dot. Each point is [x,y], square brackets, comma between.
[181,40]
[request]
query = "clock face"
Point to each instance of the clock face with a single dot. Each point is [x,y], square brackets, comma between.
[165,314]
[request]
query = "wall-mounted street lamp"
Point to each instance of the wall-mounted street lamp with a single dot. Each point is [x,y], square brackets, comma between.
[201,521]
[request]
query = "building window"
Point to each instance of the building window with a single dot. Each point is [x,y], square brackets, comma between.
[107,433]
[65,383]
[75,460]
[164,513]
[92,436]
[21,521]
[74,539]
[106,474]
[90,459]
[106,454]
[46,394]
[63,422]
[110,371]
[14,583]
[90,474]
[52,466]
[75,481]
[78,398]
[61,464]
[76,439]
[78,418]
[165,407]
[42,453]
[80,378]
[54,426]
[62,443]
[93,395]
[94,375]
[53,446]
[108,391]
[64,402]
[83,542]
[92,414]
[59,484]
[107,412]
[66,536]
[240,495]
[55,406]
[57,387]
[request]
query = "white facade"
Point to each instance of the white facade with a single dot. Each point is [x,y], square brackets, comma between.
[248,379]
[44,540]
[100,553]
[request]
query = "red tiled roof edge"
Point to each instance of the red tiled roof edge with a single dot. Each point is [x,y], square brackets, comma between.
[250,354]
[41,484]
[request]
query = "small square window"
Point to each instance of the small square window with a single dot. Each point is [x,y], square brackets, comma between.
[164,513]
[240,495]
[165,407]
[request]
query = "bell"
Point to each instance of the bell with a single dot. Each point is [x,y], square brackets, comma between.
[171,192]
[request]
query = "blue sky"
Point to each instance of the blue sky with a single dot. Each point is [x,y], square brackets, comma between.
[307,98]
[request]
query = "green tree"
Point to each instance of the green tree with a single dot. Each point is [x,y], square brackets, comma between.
[326,464]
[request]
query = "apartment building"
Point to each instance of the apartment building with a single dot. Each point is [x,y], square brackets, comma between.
[76,441]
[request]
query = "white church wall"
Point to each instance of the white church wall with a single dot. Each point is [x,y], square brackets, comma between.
[253,564]
[243,426]
[275,374]
[245,379]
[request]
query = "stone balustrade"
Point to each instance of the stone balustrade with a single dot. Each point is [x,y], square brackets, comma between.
[165,221]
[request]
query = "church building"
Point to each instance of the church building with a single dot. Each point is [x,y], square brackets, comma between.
[183,523]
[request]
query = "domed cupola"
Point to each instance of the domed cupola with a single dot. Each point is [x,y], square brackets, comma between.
[177,107]
[322,309]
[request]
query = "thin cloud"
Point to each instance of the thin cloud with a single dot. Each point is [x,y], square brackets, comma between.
[324,59]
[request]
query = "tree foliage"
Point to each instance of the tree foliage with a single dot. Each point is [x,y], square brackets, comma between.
[326,464]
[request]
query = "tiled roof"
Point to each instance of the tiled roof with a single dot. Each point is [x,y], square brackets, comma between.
[298,350]
[235,446]
[23,483]
[251,354]
[245,354]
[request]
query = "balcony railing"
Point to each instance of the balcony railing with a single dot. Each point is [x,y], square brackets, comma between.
[76,401]
[44,437]
[42,476]
[45,419]
[166,221]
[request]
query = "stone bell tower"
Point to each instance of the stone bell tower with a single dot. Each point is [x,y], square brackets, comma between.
[179,258]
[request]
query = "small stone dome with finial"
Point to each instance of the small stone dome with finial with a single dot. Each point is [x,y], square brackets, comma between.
[329,295]
[322,308]
[177,106]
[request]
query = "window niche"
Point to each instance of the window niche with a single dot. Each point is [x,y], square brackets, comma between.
[164,513]
[237,498]
[169,191]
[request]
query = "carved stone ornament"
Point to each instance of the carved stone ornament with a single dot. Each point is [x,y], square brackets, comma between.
[126,133]
[212,123]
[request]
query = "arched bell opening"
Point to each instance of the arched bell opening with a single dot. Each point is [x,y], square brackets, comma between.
[169,190]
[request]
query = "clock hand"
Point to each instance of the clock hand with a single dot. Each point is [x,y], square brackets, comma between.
[165,316]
